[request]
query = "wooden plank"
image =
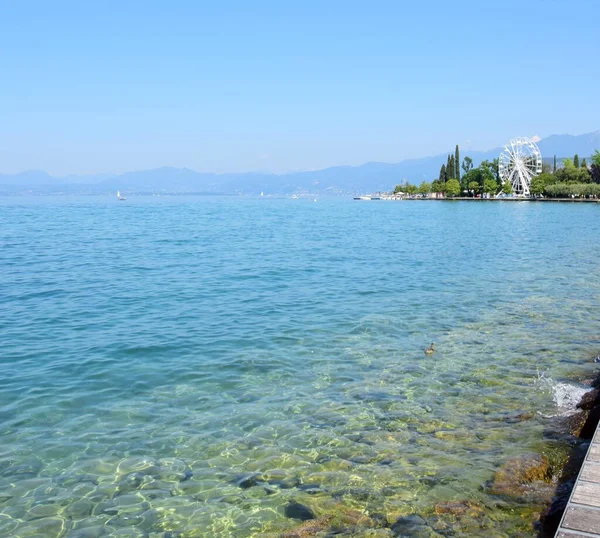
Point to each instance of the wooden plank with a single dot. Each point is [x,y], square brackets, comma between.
[587,493]
[590,472]
[562,534]
[579,518]
[594,453]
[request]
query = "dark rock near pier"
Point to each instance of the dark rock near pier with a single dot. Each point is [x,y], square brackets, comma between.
[582,426]
[589,427]
[589,400]
[295,510]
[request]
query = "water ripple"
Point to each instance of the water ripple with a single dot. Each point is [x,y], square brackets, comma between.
[157,351]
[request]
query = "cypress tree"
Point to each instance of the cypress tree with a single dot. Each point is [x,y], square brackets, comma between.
[584,164]
[443,173]
[457,163]
[450,167]
[554,169]
[576,161]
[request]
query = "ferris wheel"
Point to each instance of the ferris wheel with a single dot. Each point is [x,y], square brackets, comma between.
[519,163]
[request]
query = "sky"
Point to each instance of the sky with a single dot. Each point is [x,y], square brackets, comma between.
[232,86]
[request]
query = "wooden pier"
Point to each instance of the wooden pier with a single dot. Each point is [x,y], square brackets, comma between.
[582,515]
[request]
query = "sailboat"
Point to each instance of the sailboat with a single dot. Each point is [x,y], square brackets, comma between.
[119,197]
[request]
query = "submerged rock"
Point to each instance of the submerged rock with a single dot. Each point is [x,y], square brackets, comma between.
[79,509]
[295,510]
[311,489]
[412,525]
[343,521]
[88,532]
[310,528]
[458,508]
[527,476]
[247,481]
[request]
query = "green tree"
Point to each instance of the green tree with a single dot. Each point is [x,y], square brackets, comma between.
[496,170]
[595,168]
[507,187]
[438,185]
[467,164]
[584,176]
[584,163]
[472,180]
[474,186]
[554,169]
[490,170]
[568,173]
[576,161]
[538,184]
[406,187]
[490,186]
[457,163]
[563,190]
[424,188]
[450,167]
[442,176]
[452,188]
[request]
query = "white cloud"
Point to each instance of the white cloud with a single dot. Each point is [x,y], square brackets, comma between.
[535,138]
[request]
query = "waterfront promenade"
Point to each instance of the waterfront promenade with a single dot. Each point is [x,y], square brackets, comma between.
[582,514]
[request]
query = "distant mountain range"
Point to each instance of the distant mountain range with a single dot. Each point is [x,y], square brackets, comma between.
[369,177]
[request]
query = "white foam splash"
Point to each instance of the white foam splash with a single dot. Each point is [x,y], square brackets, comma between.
[565,396]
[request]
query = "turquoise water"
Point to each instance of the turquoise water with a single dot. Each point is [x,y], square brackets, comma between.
[157,352]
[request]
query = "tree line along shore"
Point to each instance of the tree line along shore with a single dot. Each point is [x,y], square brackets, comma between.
[569,178]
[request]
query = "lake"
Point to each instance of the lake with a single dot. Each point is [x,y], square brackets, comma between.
[188,366]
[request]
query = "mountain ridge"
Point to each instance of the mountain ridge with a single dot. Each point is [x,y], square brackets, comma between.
[368,177]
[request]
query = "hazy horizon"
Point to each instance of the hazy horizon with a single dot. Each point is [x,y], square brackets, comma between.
[275,88]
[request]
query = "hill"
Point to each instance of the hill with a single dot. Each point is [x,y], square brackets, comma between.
[369,177]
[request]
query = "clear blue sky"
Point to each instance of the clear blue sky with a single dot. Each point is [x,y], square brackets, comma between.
[93,87]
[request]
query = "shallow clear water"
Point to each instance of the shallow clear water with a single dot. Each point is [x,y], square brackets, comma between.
[156,351]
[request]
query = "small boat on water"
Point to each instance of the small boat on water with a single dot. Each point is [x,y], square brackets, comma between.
[119,197]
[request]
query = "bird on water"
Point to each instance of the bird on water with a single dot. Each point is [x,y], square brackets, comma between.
[430,349]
